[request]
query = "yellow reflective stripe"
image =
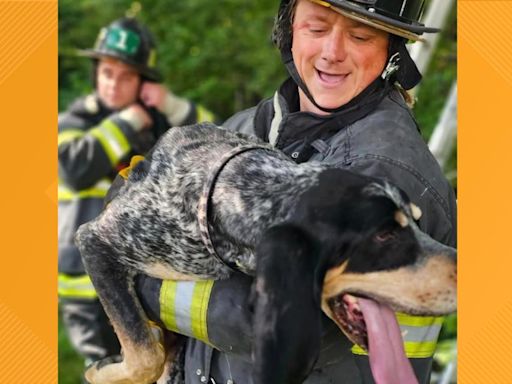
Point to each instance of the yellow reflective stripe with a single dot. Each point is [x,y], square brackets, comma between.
[199,309]
[204,115]
[99,190]
[357,350]
[69,135]
[76,287]
[415,350]
[418,321]
[112,140]
[419,333]
[184,307]
[125,172]
[167,304]
[420,349]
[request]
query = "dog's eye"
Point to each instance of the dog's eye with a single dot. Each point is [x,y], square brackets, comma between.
[385,236]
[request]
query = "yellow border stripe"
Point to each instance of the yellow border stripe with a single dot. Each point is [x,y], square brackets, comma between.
[199,309]
[112,140]
[118,134]
[203,114]
[69,135]
[76,286]
[99,190]
[99,135]
[167,304]
[418,321]
[413,349]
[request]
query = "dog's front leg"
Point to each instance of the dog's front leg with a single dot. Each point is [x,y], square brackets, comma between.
[142,354]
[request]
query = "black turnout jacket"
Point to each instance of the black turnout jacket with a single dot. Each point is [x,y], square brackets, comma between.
[376,135]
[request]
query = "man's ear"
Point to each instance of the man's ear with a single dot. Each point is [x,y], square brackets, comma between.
[287,314]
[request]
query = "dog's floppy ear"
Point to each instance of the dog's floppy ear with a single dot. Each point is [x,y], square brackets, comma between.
[287,318]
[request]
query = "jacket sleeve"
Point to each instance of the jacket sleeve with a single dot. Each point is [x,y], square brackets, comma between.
[180,111]
[87,153]
[197,114]
[214,312]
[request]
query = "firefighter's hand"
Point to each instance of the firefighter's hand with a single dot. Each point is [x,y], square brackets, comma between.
[158,96]
[154,95]
[137,117]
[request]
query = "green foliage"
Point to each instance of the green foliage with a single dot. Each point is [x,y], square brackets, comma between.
[438,79]
[71,365]
[436,85]
[217,53]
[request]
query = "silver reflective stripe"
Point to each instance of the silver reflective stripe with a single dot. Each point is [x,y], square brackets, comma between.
[419,334]
[184,295]
[403,7]
[112,140]
[276,121]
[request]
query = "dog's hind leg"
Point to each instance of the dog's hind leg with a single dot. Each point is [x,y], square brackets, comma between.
[143,355]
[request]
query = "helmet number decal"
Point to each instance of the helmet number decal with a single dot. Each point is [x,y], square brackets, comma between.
[122,40]
[121,43]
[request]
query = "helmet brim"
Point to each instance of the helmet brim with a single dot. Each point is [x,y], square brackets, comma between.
[376,20]
[149,73]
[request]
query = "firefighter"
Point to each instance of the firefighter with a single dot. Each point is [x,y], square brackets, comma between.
[344,104]
[126,113]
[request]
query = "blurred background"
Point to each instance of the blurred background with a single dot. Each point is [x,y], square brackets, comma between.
[219,53]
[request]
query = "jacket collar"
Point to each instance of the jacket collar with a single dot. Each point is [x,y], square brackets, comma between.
[279,121]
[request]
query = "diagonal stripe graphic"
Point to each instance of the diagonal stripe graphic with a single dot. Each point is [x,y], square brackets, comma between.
[24,26]
[482,24]
[20,345]
[486,351]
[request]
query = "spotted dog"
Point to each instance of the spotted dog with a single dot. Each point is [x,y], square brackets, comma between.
[209,201]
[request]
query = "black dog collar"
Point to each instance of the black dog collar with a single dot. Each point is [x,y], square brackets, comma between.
[204,200]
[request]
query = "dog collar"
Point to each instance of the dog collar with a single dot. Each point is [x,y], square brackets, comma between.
[206,195]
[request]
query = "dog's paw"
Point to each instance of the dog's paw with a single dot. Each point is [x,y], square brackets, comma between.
[115,370]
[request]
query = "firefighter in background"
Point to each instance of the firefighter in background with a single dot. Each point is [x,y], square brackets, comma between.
[125,115]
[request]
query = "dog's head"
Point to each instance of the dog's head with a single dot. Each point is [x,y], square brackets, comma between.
[366,258]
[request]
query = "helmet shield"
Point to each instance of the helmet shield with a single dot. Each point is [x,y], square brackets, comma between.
[128,41]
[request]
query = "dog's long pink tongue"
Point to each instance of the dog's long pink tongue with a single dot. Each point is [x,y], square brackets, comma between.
[386,351]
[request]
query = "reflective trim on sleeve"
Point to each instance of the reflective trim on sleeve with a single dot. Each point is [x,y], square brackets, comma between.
[112,140]
[184,307]
[203,114]
[99,190]
[76,287]
[419,333]
[69,135]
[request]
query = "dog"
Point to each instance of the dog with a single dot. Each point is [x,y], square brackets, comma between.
[208,201]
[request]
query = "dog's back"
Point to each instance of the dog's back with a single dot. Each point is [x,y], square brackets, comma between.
[152,222]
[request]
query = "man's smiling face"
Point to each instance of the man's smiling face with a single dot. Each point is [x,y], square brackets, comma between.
[335,56]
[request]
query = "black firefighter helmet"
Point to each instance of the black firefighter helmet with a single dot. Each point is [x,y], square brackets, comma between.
[130,42]
[398,17]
